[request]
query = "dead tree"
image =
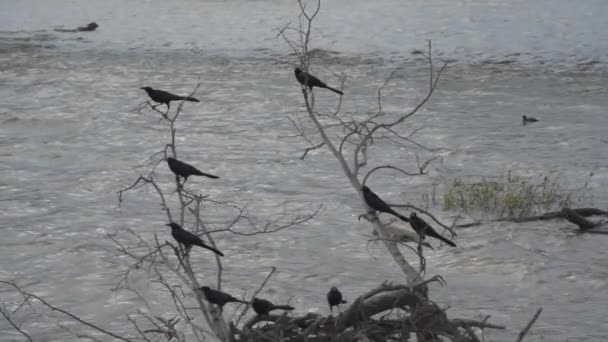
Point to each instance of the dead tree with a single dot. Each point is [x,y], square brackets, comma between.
[167,264]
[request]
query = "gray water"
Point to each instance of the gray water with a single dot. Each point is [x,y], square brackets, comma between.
[70,140]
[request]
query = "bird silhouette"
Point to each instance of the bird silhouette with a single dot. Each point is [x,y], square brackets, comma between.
[311,81]
[263,307]
[334,298]
[219,298]
[424,229]
[188,239]
[181,169]
[165,97]
[526,119]
[373,201]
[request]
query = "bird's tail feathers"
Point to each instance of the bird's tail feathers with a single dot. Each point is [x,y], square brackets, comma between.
[191,99]
[214,250]
[343,301]
[208,175]
[334,90]
[445,240]
[282,307]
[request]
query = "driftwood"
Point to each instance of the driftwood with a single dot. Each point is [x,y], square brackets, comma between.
[577,219]
[389,312]
[576,216]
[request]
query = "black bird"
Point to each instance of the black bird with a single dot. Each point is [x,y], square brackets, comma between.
[424,229]
[310,81]
[526,119]
[376,203]
[219,298]
[186,170]
[334,298]
[165,97]
[188,239]
[263,307]
[88,28]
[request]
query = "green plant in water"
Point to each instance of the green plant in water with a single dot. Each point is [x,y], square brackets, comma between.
[506,196]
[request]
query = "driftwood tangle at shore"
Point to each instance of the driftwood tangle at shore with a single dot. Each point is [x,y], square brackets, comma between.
[386,313]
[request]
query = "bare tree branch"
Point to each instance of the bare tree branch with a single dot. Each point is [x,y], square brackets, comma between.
[67,313]
[523,333]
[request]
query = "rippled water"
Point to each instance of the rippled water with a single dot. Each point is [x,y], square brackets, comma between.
[70,141]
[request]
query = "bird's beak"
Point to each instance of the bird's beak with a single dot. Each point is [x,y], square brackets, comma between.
[168,224]
[142,88]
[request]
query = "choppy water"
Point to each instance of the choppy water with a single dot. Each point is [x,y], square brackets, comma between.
[69,142]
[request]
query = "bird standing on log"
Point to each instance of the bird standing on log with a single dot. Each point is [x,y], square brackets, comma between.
[424,229]
[334,298]
[165,97]
[263,307]
[188,239]
[219,298]
[181,169]
[310,81]
[373,201]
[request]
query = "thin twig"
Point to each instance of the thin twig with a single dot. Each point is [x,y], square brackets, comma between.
[67,313]
[523,333]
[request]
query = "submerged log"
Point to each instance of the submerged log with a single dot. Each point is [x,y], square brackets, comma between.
[579,212]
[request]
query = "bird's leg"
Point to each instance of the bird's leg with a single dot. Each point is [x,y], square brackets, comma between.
[187,250]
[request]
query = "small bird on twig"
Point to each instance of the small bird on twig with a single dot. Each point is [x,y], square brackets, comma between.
[188,239]
[263,307]
[184,170]
[219,298]
[376,203]
[311,81]
[526,119]
[165,97]
[424,229]
[334,298]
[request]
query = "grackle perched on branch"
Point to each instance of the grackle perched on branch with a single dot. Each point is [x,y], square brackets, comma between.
[310,81]
[376,203]
[424,229]
[263,307]
[188,239]
[182,169]
[219,298]
[164,97]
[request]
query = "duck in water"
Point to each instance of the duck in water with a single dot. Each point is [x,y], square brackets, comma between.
[526,120]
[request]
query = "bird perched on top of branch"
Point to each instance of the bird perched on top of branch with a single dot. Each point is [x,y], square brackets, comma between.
[376,203]
[188,239]
[219,298]
[334,298]
[424,229]
[165,97]
[263,307]
[311,81]
[181,169]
